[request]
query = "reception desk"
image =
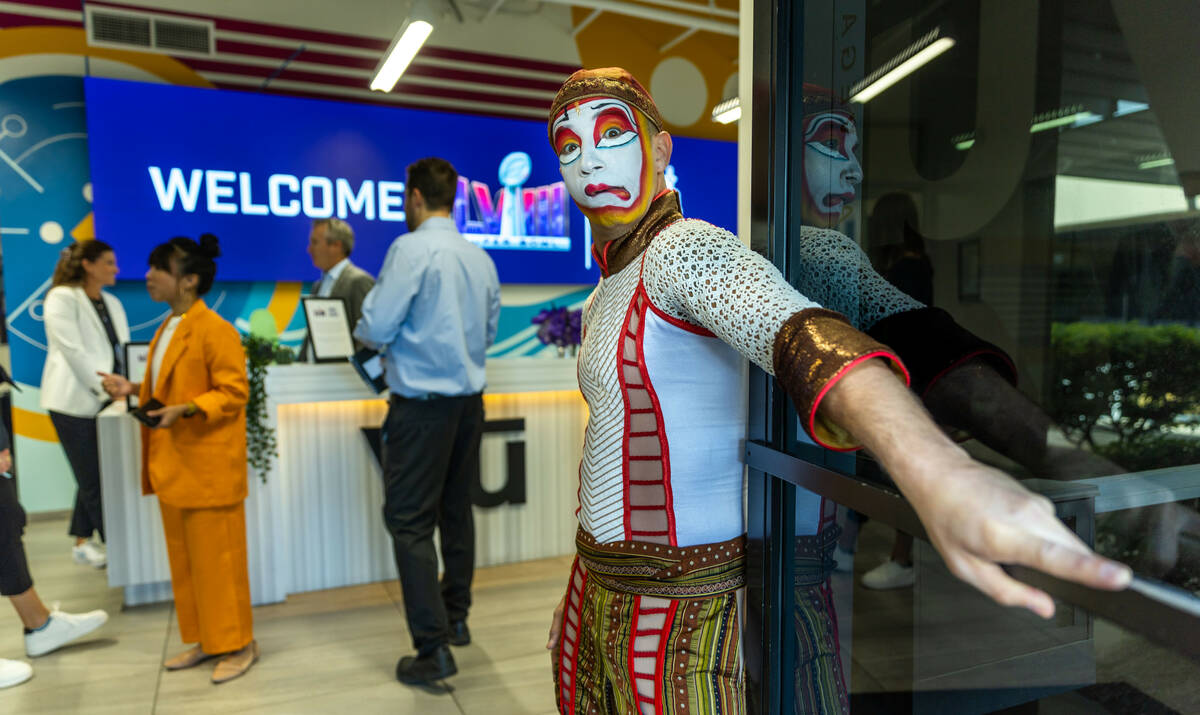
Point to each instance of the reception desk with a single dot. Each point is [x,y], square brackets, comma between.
[316,521]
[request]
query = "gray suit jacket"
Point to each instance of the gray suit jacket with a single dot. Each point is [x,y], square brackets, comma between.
[353,285]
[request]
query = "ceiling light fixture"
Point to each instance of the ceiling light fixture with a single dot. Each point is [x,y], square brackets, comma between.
[404,47]
[1156,163]
[728,111]
[902,65]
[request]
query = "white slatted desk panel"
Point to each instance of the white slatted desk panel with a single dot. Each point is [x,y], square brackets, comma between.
[317,522]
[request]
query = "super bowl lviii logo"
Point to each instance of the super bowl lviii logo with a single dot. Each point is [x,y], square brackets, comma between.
[515,216]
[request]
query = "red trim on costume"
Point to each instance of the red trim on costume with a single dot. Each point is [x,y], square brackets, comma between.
[812,417]
[972,356]
[677,322]
[661,660]
[628,421]
[601,259]
[638,306]
[664,449]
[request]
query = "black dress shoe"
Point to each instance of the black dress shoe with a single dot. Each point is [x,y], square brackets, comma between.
[459,633]
[415,670]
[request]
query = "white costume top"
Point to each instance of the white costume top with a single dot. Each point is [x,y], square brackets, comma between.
[661,370]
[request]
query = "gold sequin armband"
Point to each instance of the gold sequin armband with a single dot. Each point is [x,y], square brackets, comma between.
[813,350]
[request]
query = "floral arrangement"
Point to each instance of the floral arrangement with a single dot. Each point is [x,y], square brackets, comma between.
[261,446]
[559,326]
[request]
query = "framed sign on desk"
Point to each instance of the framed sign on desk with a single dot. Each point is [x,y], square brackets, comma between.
[137,364]
[328,329]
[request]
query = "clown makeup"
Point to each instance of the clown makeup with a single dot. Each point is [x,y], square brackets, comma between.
[831,170]
[604,154]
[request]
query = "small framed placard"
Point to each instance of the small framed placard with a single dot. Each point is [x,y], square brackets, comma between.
[137,364]
[328,329]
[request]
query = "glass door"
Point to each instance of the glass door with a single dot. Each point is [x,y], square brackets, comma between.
[1005,193]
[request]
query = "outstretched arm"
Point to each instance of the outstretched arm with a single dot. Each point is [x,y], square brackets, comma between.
[976,516]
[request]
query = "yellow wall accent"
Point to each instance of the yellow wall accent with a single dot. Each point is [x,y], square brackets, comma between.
[283,303]
[85,230]
[33,425]
[18,41]
[616,40]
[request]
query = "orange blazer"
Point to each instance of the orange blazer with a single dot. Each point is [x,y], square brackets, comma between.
[200,461]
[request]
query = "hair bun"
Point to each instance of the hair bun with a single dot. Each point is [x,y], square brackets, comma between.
[209,245]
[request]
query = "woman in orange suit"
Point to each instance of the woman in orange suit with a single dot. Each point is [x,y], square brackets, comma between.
[195,458]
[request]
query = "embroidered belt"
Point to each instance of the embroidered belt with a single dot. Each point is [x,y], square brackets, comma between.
[814,562]
[644,569]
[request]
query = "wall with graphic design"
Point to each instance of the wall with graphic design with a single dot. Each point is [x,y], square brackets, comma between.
[46,201]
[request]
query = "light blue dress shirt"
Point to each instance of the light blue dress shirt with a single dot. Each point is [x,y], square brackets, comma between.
[330,278]
[433,311]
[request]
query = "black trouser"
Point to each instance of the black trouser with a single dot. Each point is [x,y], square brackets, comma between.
[79,441]
[430,460]
[14,569]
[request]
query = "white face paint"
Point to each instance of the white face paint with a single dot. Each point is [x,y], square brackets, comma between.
[603,148]
[831,170]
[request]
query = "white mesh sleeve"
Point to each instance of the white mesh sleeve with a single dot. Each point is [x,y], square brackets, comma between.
[835,272]
[704,275]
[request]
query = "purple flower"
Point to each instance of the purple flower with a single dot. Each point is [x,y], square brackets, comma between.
[559,326]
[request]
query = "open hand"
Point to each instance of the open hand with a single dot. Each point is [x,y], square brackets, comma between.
[556,625]
[980,518]
[169,414]
[115,385]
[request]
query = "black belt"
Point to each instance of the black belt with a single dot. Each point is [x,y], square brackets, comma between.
[429,397]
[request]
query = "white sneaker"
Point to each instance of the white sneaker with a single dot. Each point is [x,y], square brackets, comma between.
[843,560]
[61,629]
[89,554]
[14,672]
[889,575]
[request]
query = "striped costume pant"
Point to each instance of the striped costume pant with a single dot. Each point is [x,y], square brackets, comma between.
[651,629]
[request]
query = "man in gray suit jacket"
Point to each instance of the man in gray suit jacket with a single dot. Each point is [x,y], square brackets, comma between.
[329,245]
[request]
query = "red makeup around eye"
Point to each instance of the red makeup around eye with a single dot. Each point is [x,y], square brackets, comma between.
[612,118]
[563,137]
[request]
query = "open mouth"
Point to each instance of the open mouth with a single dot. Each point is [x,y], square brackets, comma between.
[597,189]
[837,200]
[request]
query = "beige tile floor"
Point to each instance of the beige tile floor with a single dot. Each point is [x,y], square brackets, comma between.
[335,651]
[323,652]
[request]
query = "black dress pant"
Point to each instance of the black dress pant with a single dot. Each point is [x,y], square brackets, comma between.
[14,569]
[80,442]
[430,460]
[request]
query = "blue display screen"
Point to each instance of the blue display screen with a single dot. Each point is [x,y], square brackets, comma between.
[256,169]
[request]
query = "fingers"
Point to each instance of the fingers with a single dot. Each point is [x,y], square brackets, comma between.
[1002,588]
[555,628]
[157,413]
[1070,562]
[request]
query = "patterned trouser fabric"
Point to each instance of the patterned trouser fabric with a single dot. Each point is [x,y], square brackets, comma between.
[651,629]
[820,686]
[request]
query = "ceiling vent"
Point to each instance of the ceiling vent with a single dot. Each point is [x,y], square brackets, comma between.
[148,32]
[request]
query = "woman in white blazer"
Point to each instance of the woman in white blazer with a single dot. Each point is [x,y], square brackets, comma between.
[86,330]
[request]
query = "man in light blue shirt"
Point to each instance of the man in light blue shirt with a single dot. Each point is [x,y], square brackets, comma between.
[433,312]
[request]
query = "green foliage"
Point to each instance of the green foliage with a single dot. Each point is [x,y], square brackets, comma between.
[1139,382]
[261,446]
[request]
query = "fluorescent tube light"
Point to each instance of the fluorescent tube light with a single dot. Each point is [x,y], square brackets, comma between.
[1156,163]
[901,66]
[1072,116]
[403,49]
[1128,106]
[728,111]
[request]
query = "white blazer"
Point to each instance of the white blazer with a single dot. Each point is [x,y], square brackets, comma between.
[78,347]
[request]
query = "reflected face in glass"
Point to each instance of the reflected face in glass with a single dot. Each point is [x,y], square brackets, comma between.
[605,158]
[831,170]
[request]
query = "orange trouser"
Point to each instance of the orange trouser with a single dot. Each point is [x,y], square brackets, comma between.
[209,575]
